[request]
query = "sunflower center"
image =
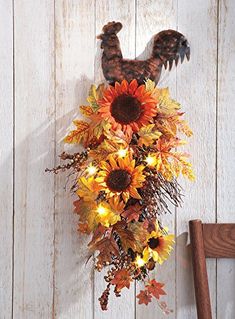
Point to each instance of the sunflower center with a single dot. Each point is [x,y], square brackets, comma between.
[153,242]
[126,109]
[118,180]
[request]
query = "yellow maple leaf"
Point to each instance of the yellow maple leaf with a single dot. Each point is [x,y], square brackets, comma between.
[111,145]
[166,104]
[147,135]
[170,125]
[87,215]
[170,164]
[184,127]
[106,215]
[88,188]
[94,96]
[150,85]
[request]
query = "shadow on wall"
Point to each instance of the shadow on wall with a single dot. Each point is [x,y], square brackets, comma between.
[47,246]
[184,273]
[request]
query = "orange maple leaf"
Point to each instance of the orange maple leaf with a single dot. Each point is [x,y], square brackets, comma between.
[132,213]
[155,288]
[83,228]
[122,279]
[144,297]
[86,110]
[107,247]
[80,134]
[126,236]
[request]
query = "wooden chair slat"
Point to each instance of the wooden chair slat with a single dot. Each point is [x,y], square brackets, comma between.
[199,270]
[213,241]
[219,240]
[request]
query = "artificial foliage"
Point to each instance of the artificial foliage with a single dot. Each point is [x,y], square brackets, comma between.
[126,180]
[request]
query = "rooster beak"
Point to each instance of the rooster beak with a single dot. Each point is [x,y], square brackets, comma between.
[99,37]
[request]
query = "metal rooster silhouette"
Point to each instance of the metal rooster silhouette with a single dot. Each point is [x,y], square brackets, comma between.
[168,46]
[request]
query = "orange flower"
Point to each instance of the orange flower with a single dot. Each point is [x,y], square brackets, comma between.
[120,177]
[128,106]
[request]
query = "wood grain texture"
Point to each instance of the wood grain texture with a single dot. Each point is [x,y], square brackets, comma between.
[51,279]
[151,17]
[74,55]
[196,90]
[219,240]
[34,150]
[6,157]
[226,151]
[201,285]
[119,10]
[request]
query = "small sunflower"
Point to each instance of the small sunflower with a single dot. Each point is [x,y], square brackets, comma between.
[159,245]
[128,106]
[120,177]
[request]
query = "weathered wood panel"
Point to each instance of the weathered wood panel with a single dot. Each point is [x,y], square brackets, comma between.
[124,11]
[151,18]
[74,56]
[34,148]
[226,151]
[56,59]
[196,90]
[6,157]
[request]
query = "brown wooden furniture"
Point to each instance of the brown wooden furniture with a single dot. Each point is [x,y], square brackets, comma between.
[211,241]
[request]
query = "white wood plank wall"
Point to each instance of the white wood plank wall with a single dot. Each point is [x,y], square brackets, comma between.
[49,56]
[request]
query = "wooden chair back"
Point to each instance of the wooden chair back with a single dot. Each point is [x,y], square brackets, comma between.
[208,241]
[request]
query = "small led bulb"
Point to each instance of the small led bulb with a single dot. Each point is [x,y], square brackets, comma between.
[150,160]
[102,210]
[139,261]
[91,169]
[122,152]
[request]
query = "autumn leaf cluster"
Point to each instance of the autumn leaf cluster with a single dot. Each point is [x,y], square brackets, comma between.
[125,178]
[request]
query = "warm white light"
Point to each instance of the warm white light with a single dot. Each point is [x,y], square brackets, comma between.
[91,169]
[150,160]
[122,152]
[102,210]
[139,261]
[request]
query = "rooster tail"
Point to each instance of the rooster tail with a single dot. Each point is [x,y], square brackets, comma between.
[170,46]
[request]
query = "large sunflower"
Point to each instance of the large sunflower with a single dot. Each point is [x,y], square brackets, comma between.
[159,245]
[120,177]
[128,106]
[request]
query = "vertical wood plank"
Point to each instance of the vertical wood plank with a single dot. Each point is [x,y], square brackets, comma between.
[6,156]
[151,18]
[34,134]
[196,90]
[226,151]
[75,54]
[123,11]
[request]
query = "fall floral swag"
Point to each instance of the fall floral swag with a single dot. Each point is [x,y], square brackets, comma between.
[125,178]
[126,175]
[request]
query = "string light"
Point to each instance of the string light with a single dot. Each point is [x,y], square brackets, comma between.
[139,261]
[122,152]
[91,169]
[151,160]
[101,210]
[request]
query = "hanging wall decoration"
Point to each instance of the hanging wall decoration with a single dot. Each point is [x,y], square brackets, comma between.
[126,175]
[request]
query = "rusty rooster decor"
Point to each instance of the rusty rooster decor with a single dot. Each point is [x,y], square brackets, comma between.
[126,174]
[168,46]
